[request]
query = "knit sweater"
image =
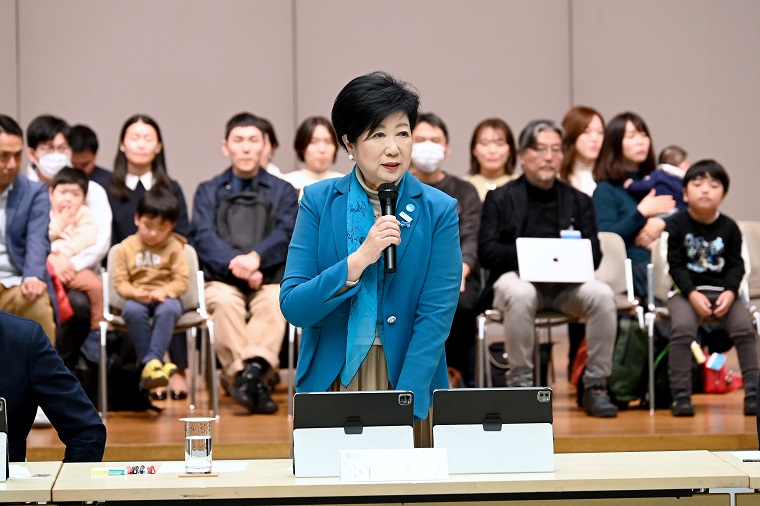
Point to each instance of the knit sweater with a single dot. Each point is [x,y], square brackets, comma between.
[76,236]
[137,265]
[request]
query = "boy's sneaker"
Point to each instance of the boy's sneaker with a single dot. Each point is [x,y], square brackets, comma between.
[169,369]
[750,405]
[682,406]
[153,375]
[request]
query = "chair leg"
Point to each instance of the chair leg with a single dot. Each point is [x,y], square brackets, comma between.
[480,352]
[291,367]
[650,318]
[193,365]
[213,388]
[102,371]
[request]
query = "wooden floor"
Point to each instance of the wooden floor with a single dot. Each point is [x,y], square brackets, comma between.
[718,425]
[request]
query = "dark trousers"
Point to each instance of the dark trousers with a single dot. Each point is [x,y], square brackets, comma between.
[461,338]
[684,323]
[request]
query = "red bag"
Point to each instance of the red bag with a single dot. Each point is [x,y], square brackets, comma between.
[65,311]
[720,382]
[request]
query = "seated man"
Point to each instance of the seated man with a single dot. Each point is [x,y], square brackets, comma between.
[243,220]
[25,287]
[34,375]
[537,204]
[84,150]
[49,151]
[431,146]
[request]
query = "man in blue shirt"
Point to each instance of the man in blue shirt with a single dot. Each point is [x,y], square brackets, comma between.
[243,220]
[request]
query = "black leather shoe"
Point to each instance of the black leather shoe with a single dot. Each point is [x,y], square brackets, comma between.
[682,406]
[179,395]
[750,405]
[243,389]
[263,403]
[158,395]
[597,403]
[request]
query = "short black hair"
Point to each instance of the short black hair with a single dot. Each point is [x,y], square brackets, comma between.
[306,131]
[9,126]
[704,168]
[245,119]
[367,100]
[83,139]
[158,203]
[268,129]
[69,175]
[672,155]
[433,120]
[44,129]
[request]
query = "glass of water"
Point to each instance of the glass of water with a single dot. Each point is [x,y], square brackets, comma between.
[197,445]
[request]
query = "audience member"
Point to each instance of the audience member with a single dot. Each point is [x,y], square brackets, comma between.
[539,205]
[34,375]
[25,287]
[584,133]
[666,179]
[84,151]
[243,220]
[627,153]
[270,146]
[364,328]
[140,165]
[706,265]
[317,147]
[49,151]
[150,272]
[72,230]
[430,148]
[492,156]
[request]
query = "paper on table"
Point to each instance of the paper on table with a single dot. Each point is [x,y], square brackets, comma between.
[217,466]
[418,464]
[747,455]
[17,471]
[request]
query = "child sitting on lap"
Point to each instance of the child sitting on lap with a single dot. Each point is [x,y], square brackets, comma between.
[150,272]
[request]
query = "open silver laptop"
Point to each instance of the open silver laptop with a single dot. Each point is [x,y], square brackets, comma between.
[326,422]
[495,430]
[545,260]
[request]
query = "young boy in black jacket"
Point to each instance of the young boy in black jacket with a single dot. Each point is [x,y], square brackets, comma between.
[704,255]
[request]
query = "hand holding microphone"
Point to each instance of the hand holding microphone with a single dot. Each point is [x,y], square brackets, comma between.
[388,194]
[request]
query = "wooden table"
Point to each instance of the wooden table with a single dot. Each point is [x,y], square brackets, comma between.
[35,489]
[583,478]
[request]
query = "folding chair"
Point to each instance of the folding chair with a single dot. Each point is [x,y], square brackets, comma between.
[194,318]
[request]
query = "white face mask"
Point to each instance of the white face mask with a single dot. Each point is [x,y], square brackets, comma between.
[50,164]
[427,156]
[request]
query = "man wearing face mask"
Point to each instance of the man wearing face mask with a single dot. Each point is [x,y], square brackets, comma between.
[430,148]
[49,151]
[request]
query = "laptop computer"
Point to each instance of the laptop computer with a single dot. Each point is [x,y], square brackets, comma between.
[326,422]
[547,260]
[495,430]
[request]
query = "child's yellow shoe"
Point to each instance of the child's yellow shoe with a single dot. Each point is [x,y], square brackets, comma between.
[169,369]
[153,375]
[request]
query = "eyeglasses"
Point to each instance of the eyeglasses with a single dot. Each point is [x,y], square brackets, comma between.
[555,150]
[50,148]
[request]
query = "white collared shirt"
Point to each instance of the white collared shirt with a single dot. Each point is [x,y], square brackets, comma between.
[146,179]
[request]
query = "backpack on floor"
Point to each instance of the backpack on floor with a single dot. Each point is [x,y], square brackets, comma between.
[124,392]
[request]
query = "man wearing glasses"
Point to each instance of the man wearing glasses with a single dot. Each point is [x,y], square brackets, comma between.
[537,204]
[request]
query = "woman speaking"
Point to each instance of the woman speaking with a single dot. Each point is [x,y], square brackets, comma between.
[365,328]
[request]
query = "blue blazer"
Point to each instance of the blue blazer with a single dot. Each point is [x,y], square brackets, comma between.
[27,219]
[418,301]
[34,375]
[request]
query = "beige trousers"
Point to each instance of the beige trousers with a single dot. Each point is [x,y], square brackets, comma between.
[40,310]
[373,375]
[240,338]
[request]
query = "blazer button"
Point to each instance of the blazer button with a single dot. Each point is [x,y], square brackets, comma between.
[391,320]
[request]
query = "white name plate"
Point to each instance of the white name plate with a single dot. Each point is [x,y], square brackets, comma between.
[418,464]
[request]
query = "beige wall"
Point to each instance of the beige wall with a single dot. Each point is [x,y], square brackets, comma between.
[8,64]
[687,66]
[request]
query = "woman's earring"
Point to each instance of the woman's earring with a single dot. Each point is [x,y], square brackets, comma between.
[350,157]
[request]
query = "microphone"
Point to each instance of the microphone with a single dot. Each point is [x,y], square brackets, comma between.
[388,195]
